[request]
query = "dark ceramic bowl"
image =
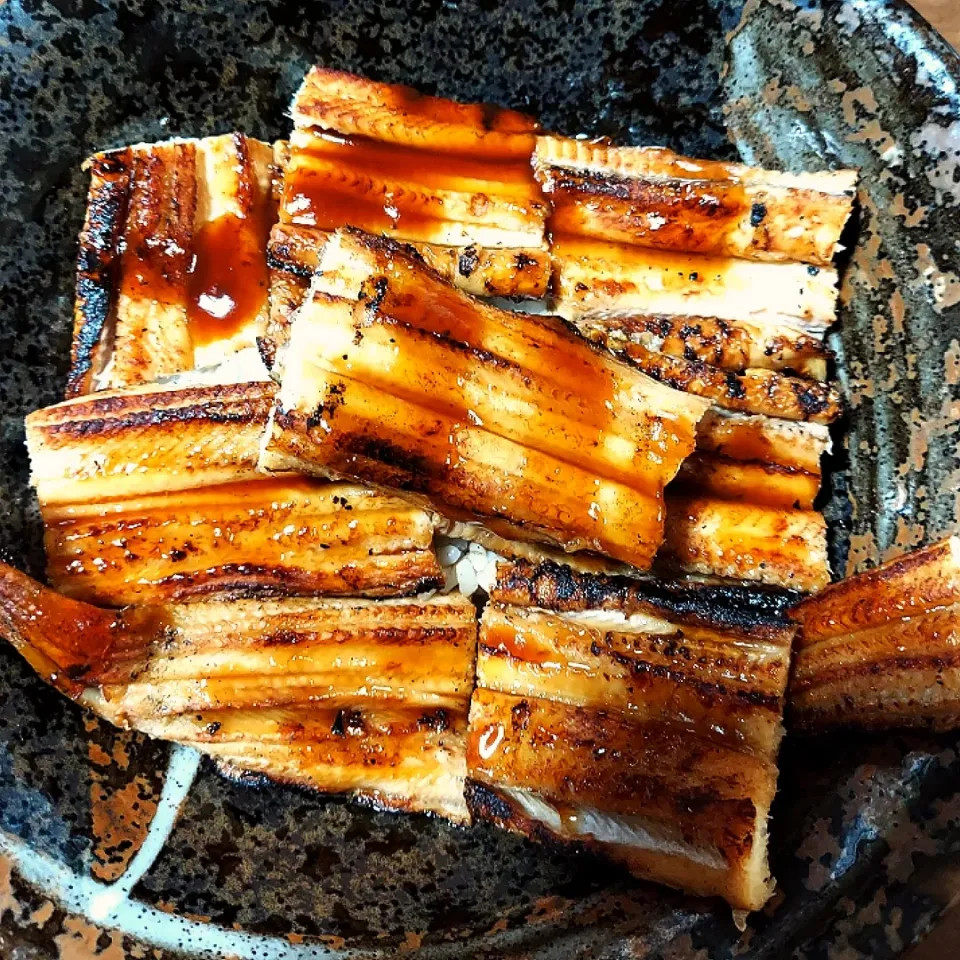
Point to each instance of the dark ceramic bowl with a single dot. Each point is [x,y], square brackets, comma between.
[863,829]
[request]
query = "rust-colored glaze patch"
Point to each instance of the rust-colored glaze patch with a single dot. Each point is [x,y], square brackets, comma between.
[228,286]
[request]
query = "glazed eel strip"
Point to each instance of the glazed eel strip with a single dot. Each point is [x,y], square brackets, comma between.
[150,495]
[638,718]
[172,270]
[358,696]
[717,279]
[879,650]
[452,179]
[652,197]
[393,377]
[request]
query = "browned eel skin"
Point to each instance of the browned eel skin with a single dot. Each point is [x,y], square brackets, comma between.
[98,262]
[171,271]
[756,472]
[395,378]
[144,440]
[649,196]
[150,495]
[639,718]
[731,345]
[452,179]
[597,279]
[267,537]
[756,611]
[754,390]
[356,696]
[879,650]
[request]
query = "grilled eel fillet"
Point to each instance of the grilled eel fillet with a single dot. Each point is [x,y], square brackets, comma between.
[758,448]
[742,505]
[652,197]
[146,440]
[151,495]
[357,696]
[879,650]
[715,279]
[757,390]
[265,537]
[453,179]
[395,378]
[172,272]
[638,718]
[640,231]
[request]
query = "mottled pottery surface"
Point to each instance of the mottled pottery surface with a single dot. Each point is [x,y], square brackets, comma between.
[866,835]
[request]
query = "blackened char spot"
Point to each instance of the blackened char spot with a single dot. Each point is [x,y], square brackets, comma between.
[437,720]
[557,587]
[327,407]
[417,467]
[734,386]
[520,716]
[380,286]
[813,399]
[468,261]
[486,804]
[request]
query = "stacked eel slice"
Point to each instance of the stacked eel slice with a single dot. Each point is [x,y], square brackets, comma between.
[152,495]
[171,272]
[880,650]
[394,377]
[284,386]
[636,717]
[356,696]
[717,279]
[453,180]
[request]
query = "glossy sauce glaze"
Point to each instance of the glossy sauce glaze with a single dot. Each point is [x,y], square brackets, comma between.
[382,187]
[229,280]
[538,345]
[682,215]
[441,169]
[518,644]
[157,238]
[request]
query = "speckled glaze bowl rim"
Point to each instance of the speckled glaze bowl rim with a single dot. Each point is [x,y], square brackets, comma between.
[178,928]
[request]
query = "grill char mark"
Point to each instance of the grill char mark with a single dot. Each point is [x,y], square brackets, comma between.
[98,263]
[759,612]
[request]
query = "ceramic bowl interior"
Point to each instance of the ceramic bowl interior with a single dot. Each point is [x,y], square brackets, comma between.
[860,825]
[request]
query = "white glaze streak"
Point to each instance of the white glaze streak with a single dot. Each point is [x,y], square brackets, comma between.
[181,771]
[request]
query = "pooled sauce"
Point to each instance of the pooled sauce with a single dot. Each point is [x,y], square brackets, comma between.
[229,282]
